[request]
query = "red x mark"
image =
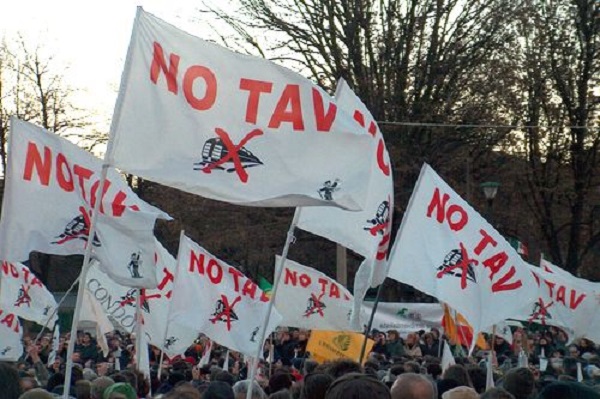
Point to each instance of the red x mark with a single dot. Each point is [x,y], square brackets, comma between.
[84,232]
[317,305]
[463,265]
[542,313]
[24,298]
[143,297]
[233,152]
[226,312]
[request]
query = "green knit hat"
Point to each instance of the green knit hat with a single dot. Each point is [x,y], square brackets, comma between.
[123,388]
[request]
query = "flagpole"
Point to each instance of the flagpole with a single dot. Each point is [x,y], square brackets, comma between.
[162,352]
[278,271]
[82,278]
[55,310]
[370,324]
[138,328]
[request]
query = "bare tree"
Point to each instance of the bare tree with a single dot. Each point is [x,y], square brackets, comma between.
[33,89]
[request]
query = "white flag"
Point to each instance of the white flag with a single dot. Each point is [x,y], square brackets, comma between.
[92,312]
[447,357]
[206,351]
[307,298]
[489,375]
[55,345]
[25,295]
[231,127]
[11,333]
[226,361]
[218,300]
[367,232]
[447,250]
[127,250]
[51,187]
[564,302]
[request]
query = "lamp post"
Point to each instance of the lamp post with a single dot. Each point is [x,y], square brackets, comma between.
[490,189]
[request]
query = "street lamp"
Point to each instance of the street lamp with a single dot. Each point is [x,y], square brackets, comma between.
[490,189]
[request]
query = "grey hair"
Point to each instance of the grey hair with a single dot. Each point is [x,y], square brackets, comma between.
[241,387]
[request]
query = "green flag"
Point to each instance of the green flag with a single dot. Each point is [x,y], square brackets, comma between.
[264,285]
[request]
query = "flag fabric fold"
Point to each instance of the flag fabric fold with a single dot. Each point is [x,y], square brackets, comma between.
[235,128]
[216,299]
[446,249]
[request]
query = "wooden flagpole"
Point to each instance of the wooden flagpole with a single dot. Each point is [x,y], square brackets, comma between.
[278,271]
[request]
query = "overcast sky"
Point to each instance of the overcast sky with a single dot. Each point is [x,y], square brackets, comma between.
[90,37]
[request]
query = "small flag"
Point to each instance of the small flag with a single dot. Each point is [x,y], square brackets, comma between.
[519,246]
[265,285]
[447,358]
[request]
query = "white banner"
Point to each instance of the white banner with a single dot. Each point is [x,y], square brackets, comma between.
[446,249]
[405,317]
[51,187]
[367,232]
[11,333]
[231,127]
[307,298]
[218,300]
[25,295]
[93,313]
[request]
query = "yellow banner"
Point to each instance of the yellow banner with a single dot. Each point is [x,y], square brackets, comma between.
[331,345]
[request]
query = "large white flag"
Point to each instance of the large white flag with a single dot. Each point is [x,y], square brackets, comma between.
[366,232]
[51,187]
[232,127]
[11,333]
[307,298]
[447,250]
[25,295]
[218,300]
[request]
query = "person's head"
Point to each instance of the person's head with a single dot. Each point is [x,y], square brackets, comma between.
[309,366]
[411,339]
[87,338]
[458,373]
[573,351]
[357,386]
[412,367]
[338,368]
[28,383]
[37,393]
[461,392]
[478,377]
[225,376]
[218,390]
[315,386]
[413,386]
[497,393]
[83,389]
[280,381]
[520,382]
[240,389]
[99,385]
[9,382]
[120,390]
[393,335]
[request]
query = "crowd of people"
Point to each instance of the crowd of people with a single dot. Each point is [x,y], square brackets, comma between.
[541,364]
